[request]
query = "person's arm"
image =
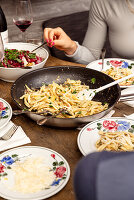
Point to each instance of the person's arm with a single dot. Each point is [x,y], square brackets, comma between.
[94,39]
[95,36]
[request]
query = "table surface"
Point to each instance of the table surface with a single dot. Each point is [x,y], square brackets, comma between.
[62,141]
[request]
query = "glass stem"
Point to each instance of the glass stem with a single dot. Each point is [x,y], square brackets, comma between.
[23,37]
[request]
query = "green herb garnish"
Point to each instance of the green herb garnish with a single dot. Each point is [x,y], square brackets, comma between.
[32,55]
[74,92]
[93,80]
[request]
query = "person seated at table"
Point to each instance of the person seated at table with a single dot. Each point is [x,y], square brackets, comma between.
[115,15]
[105,176]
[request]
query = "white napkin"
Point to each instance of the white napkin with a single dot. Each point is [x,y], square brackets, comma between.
[19,138]
[129,90]
[130,116]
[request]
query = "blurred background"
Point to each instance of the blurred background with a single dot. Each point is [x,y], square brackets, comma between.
[42,10]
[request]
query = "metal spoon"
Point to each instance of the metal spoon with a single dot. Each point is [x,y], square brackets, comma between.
[44,120]
[89,94]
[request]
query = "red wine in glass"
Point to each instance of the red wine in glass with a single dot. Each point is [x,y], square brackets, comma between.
[23,16]
[23,25]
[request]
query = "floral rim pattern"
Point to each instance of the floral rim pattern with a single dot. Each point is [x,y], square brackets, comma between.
[3,111]
[55,161]
[90,133]
[57,167]
[118,63]
[110,125]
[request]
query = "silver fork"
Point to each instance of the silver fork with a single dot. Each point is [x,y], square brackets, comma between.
[9,133]
[103,52]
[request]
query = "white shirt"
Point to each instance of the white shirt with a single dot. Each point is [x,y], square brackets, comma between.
[117,17]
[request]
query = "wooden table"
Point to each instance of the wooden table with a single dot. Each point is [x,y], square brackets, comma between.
[62,141]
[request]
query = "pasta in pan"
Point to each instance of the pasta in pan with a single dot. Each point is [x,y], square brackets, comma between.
[55,96]
[115,141]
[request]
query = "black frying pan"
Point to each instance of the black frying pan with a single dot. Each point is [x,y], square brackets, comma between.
[59,74]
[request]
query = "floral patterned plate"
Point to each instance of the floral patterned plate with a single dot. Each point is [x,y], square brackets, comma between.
[54,160]
[114,63]
[5,112]
[89,135]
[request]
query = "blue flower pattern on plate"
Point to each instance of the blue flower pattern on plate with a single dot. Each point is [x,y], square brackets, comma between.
[3,113]
[56,182]
[123,125]
[7,160]
[125,65]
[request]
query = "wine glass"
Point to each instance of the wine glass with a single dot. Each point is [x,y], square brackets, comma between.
[23,17]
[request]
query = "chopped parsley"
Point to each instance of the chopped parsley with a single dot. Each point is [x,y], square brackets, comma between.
[74,92]
[50,105]
[32,55]
[93,80]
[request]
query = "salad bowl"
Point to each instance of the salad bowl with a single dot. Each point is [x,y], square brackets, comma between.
[10,74]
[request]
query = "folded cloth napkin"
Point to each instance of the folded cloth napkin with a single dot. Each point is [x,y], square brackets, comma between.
[129,90]
[19,137]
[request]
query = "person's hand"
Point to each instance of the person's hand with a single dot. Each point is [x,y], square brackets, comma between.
[58,38]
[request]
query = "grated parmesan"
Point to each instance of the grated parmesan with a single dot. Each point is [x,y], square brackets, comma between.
[32,175]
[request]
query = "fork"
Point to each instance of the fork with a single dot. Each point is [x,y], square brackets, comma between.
[103,52]
[9,133]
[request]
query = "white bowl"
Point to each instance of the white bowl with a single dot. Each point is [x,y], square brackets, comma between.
[11,74]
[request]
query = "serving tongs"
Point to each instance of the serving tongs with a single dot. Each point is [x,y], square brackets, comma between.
[46,118]
[19,112]
[39,46]
[45,113]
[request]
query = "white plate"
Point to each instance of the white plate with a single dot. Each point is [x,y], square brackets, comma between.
[50,158]
[5,114]
[118,62]
[89,135]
